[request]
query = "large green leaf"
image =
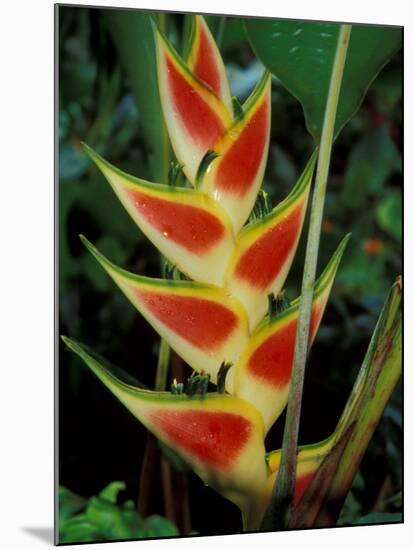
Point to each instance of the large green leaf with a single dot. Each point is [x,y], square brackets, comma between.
[132,33]
[301,54]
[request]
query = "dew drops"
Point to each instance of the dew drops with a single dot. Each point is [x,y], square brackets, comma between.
[233,134]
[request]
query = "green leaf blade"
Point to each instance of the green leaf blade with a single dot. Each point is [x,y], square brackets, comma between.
[301,55]
[132,33]
[376,381]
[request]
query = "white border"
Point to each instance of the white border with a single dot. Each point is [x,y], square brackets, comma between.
[26,233]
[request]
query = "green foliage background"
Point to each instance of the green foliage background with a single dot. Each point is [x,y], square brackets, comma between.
[99,442]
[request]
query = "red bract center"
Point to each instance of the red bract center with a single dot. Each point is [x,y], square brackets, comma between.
[302,483]
[213,437]
[200,120]
[202,322]
[205,66]
[272,361]
[193,228]
[242,161]
[261,263]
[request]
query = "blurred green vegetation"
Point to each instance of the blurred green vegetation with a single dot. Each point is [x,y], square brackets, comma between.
[99,442]
[101,518]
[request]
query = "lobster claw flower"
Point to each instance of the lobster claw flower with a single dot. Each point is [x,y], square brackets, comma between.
[196,106]
[202,323]
[265,250]
[205,61]
[218,435]
[264,369]
[309,460]
[194,233]
[187,227]
[219,313]
[194,115]
[235,175]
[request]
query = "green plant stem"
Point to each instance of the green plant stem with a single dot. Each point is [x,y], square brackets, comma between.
[164,350]
[152,455]
[220,30]
[161,374]
[166,476]
[166,149]
[278,514]
[162,366]
[133,36]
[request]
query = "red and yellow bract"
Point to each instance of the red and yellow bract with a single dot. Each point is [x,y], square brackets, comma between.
[219,313]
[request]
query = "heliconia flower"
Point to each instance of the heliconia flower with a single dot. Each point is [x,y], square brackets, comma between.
[216,318]
[218,435]
[235,176]
[188,227]
[199,119]
[209,318]
[309,459]
[195,116]
[202,323]
[205,61]
[265,250]
[264,370]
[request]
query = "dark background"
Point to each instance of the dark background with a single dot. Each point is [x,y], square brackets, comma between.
[99,441]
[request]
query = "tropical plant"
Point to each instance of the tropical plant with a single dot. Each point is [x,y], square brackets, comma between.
[221,304]
[101,518]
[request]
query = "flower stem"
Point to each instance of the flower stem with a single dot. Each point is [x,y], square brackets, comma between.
[220,30]
[279,511]
[165,144]
[162,366]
